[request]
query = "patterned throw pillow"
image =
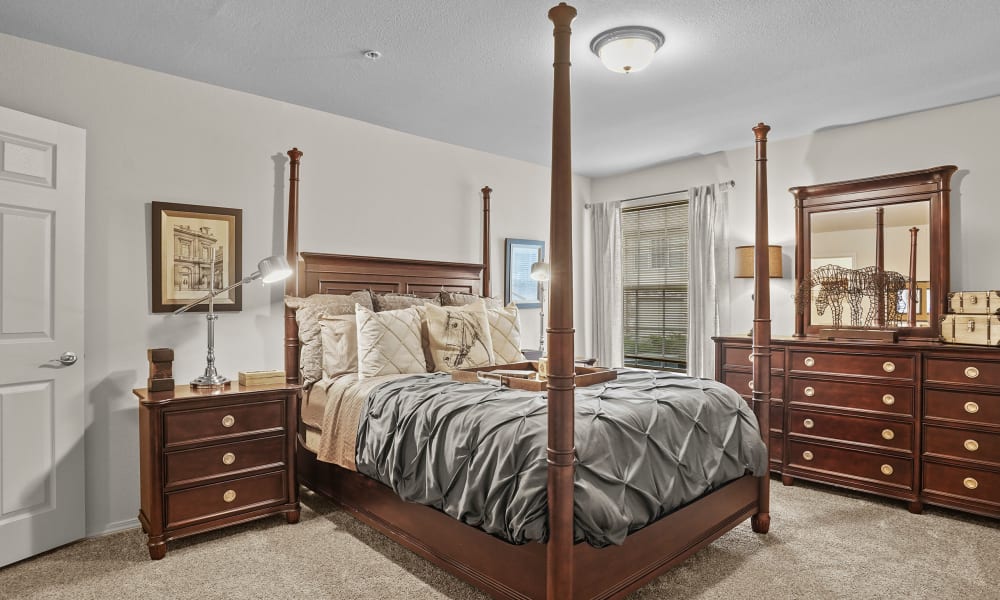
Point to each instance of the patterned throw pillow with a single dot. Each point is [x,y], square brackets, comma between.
[389,342]
[340,344]
[458,337]
[307,313]
[461,299]
[505,331]
[392,301]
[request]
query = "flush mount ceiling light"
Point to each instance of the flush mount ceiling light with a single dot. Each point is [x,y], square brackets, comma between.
[627,49]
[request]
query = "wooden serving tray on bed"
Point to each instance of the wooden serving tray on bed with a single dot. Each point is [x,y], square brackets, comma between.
[524,375]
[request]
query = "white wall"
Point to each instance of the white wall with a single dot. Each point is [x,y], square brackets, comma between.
[365,190]
[965,135]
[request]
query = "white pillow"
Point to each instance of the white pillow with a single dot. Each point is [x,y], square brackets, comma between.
[505,331]
[340,344]
[389,342]
[458,337]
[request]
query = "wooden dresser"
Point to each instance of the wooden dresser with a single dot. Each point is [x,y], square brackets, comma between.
[213,458]
[919,422]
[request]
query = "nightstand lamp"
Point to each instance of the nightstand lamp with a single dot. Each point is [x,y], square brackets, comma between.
[269,270]
[744,264]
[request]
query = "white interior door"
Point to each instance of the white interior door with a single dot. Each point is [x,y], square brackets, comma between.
[42,170]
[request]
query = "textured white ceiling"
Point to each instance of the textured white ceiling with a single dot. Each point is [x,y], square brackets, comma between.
[477,72]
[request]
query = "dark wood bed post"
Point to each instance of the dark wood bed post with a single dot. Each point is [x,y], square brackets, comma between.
[559,551]
[292,256]
[911,318]
[486,242]
[761,521]
[880,266]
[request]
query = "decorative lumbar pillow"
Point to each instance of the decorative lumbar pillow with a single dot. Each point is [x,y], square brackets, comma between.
[389,342]
[391,301]
[505,331]
[307,313]
[461,299]
[458,337]
[340,344]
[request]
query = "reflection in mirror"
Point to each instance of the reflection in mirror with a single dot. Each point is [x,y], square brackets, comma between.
[849,286]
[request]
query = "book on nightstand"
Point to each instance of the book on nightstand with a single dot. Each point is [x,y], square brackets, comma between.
[269,377]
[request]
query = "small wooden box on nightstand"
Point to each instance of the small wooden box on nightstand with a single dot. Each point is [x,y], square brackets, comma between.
[212,458]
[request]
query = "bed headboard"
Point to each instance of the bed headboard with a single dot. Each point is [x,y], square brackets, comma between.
[316,273]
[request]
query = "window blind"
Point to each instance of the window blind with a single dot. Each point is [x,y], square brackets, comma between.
[655,284]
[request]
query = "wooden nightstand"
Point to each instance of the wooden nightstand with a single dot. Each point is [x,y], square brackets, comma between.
[213,458]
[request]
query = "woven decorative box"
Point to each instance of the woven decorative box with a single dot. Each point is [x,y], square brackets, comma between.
[271,377]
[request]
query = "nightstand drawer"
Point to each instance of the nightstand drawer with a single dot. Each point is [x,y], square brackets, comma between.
[868,467]
[962,444]
[219,423]
[869,365]
[859,430]
[212,501]
[963,482]
[187,467]
[874,397]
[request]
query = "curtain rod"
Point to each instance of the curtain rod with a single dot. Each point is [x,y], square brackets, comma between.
[723,186]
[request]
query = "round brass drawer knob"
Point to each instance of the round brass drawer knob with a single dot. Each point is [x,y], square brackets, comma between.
[807,455]
[887,469]
[888,399]
[888,366]
[970,483]
[750,385]
[971,408]
[808,424]
[809,361]
[228,458]
[888,434]
[971,445]
[809,391]
[228,421]
[229,496]
[971,372]
[750,357]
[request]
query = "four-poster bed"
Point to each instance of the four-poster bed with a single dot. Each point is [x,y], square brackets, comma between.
[560,568]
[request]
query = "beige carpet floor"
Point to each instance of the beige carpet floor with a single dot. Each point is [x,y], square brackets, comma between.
[823,544]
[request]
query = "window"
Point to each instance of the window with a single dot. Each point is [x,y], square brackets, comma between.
[655,281]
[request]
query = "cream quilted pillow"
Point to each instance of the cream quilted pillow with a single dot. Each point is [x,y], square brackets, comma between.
[389,342]
[458,337]
[505,331]
[307,313]
[340,344]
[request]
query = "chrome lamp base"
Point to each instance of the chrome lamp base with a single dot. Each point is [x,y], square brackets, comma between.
[210,381]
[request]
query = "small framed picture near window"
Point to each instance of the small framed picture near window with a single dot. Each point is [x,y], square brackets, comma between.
[191,246]
[520,288]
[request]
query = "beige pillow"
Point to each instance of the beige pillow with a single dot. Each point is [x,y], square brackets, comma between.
[458,337]
[340,344]
[307,313]
[505,331]
[461,299]
[383,302]
[389,342]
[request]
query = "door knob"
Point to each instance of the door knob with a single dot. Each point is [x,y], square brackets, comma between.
[68,358]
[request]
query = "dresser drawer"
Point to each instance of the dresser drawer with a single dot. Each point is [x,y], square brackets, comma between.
[947,370]
[212,501]
[854,464]
[876,397]
[859,430]
[967,483]
[871,365]
[960,406]
[741,356]
[186,467]
[962,444]
[218,423]
[741,382]
[777,448]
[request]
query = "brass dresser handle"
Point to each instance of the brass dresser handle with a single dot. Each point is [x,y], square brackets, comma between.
[971,408]
[971,372]
[887,469]
[807,455]
[809,361]
[970,483]
[888,366]
[750,385]
[888,399]
[809,391]
[750,357]
[808,424]
[971,445]
[228,421]
[229,496]
[888,434]
[228,458]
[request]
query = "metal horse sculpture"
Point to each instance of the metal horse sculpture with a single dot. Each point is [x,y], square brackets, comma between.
[835,284]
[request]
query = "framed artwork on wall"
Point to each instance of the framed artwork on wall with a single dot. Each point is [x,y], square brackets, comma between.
[191,244]
[519,287]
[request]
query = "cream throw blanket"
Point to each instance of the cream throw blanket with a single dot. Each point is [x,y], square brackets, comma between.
[346,397]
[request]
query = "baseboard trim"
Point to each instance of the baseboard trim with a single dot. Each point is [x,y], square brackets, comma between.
[114,527]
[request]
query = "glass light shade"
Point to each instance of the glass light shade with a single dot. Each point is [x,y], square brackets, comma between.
[274,268]
[744,261]
[627,55]
[540,271]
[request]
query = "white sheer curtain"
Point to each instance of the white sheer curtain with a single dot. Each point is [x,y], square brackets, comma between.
[606,236]
[708,276]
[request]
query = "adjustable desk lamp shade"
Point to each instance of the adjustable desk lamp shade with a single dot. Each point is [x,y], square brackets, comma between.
[269,270]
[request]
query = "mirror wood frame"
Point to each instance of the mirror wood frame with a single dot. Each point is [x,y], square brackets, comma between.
[932,185]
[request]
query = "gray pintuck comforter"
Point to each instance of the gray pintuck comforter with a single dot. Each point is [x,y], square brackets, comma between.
[647,443]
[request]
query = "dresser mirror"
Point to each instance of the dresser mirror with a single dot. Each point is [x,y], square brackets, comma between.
[872,255]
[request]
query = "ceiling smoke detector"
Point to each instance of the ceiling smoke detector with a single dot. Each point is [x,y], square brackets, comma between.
[372,54]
